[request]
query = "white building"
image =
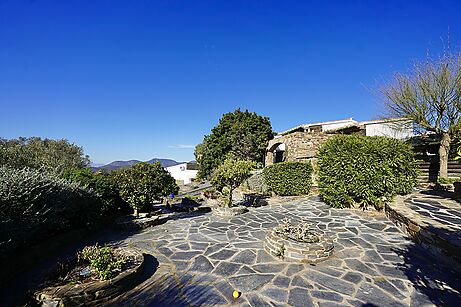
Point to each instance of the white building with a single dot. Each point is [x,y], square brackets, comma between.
[184,173]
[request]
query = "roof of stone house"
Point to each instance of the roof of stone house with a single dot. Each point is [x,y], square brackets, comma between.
[304,126]
[353,123]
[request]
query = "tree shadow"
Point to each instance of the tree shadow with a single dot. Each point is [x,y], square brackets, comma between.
[431,276]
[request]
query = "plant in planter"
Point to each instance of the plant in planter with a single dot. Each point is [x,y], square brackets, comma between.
[300,232]
[230,175]
[102,260]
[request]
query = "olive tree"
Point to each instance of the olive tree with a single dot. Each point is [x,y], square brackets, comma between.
[230,175]
[430,96]
[144,183]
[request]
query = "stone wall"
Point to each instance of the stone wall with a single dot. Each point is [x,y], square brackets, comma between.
[299,146]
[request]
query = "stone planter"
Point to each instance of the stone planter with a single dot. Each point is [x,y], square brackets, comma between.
[228,211]
[130,222]
[289,249]
[94,292]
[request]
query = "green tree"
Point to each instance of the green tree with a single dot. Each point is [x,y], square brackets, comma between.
[102,183]
[49,155]
[231,174]
[144,183]
[243,135]
[430,95]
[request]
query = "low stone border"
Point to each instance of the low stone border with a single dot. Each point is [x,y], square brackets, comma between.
[289,249]
[433,238]
[132,223]
[228,212]
[95,292]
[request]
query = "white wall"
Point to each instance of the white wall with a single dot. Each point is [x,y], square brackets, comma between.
[399,130]
[180,172]
[334,126]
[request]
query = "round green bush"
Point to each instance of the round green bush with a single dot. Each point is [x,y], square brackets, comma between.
[364,171]
[289,178]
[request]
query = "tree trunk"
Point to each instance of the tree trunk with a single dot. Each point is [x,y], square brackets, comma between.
[229,201]
[444,149]
[136,212]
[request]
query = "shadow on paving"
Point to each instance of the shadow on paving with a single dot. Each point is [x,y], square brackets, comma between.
[442,194]
[18,290]
[431,277]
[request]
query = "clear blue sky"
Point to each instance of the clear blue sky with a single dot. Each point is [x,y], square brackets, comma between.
[143,79]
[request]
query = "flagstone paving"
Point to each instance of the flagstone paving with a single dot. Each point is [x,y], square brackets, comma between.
[202,259]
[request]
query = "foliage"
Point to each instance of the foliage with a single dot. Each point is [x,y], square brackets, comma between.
[102,183]
[144,183]
[300,232]
[256,183]
[230,175]
[242,135]
[49,155]
[445,180]
[358,170]
[289,178]
[34,204]
[103,260]
[430,96]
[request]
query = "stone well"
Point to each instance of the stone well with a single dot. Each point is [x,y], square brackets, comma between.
[281,246]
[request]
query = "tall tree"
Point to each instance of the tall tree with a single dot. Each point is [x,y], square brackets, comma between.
[50,155]
[242,135]
[430,95]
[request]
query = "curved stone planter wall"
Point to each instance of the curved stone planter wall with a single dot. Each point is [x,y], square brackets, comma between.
[228,212]
[289,249]
[95,292]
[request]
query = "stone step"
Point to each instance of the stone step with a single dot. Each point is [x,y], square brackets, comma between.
[434,223]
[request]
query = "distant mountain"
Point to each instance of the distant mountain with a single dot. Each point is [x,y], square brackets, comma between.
[121,164]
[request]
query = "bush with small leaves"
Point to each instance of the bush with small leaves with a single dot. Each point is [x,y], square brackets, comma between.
[365,171]
[230,175]
[289,178]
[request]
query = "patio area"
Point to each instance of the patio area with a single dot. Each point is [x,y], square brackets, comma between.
[201,260]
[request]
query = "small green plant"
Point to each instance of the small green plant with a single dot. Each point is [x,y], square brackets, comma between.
[103,260]
[444,180]
[281,252]
[230,175]
[289,178]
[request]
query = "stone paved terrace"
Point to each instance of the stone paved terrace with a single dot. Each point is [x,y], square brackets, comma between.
[202,259]
[433,219]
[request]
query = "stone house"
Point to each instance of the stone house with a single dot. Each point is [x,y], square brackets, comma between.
[301,143]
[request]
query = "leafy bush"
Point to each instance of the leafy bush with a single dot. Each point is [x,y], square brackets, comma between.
[289,178]
[49,155]
[364,171]
[34,204]
[257,184]
[144,183]
[102,183]
[103,260]
[444,180]
[230,175]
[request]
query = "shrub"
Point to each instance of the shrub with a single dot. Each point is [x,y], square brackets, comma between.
[230,175]
[102,183]
[256,183]
[50,155]
[144,183]
[289,178]
[103,260]
[358,170]
[34,204]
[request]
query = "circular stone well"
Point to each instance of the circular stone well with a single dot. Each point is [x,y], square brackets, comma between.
[281,246]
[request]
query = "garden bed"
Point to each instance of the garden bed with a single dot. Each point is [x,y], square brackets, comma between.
[73,290]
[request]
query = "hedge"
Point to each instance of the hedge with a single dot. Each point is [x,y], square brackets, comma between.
[35,204]
[289,178]
[364,171]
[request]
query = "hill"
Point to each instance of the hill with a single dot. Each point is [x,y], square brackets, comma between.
[121,164]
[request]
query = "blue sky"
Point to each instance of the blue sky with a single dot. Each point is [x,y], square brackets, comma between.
[143,79]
